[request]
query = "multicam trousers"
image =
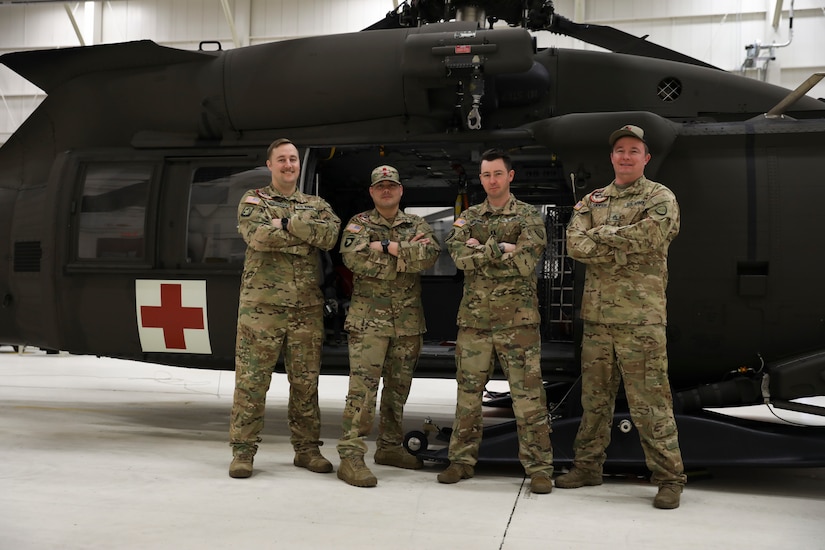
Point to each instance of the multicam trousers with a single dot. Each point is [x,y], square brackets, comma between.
[371,358]
[638,355]
[519,352]
[262,331]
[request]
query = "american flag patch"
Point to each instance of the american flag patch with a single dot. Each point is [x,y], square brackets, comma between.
[460,222]
[354,228]
[252,200]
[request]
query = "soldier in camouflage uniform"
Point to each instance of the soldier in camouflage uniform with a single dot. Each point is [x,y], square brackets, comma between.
[280,307]
[498,244]
[387,250]
[622,232]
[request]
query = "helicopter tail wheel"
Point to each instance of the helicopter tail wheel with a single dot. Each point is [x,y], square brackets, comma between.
[625,426]
[415,442]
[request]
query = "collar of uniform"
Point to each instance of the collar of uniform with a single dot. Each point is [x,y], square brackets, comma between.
[297,196]
[508,208]
[378,219]
[614,190]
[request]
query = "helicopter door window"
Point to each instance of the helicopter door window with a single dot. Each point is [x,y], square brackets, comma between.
[441,219]
[216,191]
[112,222]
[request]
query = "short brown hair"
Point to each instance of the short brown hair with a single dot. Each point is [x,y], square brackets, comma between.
[275,144]
[495,154]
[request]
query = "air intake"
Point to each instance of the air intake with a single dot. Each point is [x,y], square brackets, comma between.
[669,89]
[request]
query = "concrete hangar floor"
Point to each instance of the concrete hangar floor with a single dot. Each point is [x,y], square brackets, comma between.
[103,453]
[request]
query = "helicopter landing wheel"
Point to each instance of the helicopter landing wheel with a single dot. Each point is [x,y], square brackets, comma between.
[415,442]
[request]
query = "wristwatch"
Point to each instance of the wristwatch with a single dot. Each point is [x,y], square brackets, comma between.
[385,244]
[284,223]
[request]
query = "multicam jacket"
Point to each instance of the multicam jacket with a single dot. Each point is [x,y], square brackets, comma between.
[282,267]
[623,235]
[386,297]
[499,288]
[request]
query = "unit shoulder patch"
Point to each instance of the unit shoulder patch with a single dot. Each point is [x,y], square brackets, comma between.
[597,196]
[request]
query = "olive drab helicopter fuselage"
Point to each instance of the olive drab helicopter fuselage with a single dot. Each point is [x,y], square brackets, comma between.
[119,194]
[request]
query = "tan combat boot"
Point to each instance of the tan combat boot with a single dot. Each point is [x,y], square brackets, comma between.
[668,496]
[540,483]
[455,472]
[313,461]
[241,466]
[578,477]
[353,471]
[398,457]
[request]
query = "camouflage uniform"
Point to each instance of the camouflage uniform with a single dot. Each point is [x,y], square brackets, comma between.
[280,303]
[499,314]
[385,323]
[623,234]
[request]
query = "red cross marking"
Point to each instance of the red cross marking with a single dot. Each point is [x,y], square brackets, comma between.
[171,316]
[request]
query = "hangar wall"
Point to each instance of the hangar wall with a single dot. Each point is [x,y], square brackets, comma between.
[714,31]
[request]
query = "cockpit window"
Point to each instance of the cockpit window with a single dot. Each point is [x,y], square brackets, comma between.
[112,219]
[212,236]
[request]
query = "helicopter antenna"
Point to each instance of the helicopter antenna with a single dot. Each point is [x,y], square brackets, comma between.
[573,186]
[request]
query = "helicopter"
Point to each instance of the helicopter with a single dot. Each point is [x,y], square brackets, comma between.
[119,194]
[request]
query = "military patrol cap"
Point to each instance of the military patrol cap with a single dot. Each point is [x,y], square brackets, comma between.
[627,130]
[384,173]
